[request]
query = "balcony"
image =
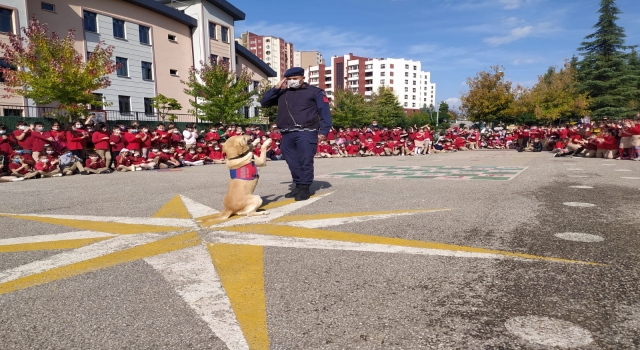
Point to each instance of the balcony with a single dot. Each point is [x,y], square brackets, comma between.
[368,93]
[353,78]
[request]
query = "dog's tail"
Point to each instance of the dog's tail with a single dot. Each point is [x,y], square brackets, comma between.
[215,218]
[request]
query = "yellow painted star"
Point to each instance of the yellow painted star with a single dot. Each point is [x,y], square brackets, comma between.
[216,266]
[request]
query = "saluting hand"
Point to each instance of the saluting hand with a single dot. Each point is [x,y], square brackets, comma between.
[282,84]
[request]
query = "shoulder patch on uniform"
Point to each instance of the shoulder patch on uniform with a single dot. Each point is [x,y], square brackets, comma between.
[324,97]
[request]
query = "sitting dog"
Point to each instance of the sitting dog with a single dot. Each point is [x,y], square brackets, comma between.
[242,164]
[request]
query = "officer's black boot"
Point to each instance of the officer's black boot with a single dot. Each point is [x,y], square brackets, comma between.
[293,193]
[303,193]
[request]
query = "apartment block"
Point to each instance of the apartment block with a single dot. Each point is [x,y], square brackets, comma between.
[275,52]
[407,80]
[155,42]
[307,59]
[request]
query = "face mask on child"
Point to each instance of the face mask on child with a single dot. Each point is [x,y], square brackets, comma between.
[54,128]
[155,150]
[16,160]
[39,128]
[44,160]
[78,126]
[217,148]
[165,150]
[192,152]
[49,152]
[2,132]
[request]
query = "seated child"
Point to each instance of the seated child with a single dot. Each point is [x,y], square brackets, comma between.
[124,162]
[45,168]
[140,162]
[537,145]
[95,164]
[201,155]
[69,163]
[19,168]
[167,159]
[191,159]
[217,154]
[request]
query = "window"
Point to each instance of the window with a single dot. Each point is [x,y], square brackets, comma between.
[124,104]
[414,97]
[147,72]
[414,75]
[12,112]
[406,104]
[247,112]
[214,60]
[1,78]
[406,82]
[406,97]
[48,7]
[95,106]
[123,67]
[256,85]
[406,89]
[382,66]
[224,34]
[406,66]
[171,37]
[88,55]
[256,111]
[144,35]
[225,59]
[148,106]
[212,30]
[414,89]
[382,74]
[118,28]
[406,74]
[90,22]
[413,105]
[382,81]
[173,72]
[414,82]
[425,100]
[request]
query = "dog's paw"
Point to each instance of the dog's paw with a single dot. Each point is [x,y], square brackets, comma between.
[267,143]
[258,213]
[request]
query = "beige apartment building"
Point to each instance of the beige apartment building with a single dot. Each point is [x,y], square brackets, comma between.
[155,42]
[274,51]
[307,59]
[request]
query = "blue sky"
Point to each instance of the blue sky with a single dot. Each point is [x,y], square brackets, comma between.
[453,39]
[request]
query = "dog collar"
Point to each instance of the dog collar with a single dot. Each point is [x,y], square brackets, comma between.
[246,172]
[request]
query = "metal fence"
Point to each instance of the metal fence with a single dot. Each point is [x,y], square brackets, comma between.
[52,112]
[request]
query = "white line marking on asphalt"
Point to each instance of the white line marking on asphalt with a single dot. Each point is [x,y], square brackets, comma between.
[191,272]
[67,258]
[197,210]
[575,169]
[609,164]
[55,237]
[631,178]
[577,176]
[188,223]
[581,187]
[579,237]
[341,221]
[308,243]
[548,331]
[623,170]
[578,204]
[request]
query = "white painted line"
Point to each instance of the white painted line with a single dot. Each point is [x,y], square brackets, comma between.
[187,223]
[609,164]
[623,170]
[55,237]
[581,176]
[581,187]
[77,255]
[191,273]
[273,213]
[549,332]
[578,204]
[197,210]
[308,243]
[631,178]
[575,169]
[579,237]
[341,221]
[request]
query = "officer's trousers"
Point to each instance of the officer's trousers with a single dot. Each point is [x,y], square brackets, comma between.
[299,148]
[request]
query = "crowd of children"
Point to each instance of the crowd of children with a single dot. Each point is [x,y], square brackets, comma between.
[85,147]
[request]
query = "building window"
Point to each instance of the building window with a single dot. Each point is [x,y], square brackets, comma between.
[90,22]
[256,85]
[224,34]
[406,66]
[118,28]
[48,7]
[12,112]
[406,74]
[406,82]
[406,97]
[171,37]
[96,106]
[382,66]
[414,75]
[214,60]
[123,69]
[247,112]
[225,59]
[414,89]
[413,105]
[256,111]
[382,74]
[414,97]
[124,104]
[415,67]
[212,30]
[88,55]
[144,35]
[382,81]
[147,72]
[1,77]
[425,100]
[406,89]
[406,104]
[173,72]
[414,82]
[148,106]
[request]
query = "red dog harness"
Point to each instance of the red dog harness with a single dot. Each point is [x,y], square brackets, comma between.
[246,172]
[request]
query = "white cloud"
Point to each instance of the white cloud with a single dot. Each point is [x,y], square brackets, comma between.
[328,40]
[453,102]
[514,34]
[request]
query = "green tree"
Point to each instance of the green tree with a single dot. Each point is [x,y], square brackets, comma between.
[164,105]
[49,69]
[219,94]
[603,71]
[386,108]
[271,113]
[489,97]
[350,109]
[443,113]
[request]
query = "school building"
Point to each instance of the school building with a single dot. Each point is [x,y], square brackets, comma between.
[156,43]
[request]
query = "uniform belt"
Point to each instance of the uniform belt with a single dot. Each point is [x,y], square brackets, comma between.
[292,130]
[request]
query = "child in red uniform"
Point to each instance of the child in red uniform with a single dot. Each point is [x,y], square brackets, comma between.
[191,159]
[116,140]
[19,168]
[378,150]
[22,135]
[217,154]
[202,155]
[39,138]
[45,168]
[352,149]
[391,148]
[77,140]
[101,144]
[167,158]
[95,165]
[6,143]
[141,162]
[408,149]
[123,161]
[133,139]
[145,140]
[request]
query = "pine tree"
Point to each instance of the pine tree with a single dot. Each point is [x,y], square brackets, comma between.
[603,72]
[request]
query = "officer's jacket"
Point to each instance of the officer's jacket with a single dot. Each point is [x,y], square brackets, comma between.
[300,109]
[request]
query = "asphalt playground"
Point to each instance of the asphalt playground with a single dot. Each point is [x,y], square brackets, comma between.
[472,250]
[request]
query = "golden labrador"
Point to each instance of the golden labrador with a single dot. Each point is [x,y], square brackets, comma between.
[242,164]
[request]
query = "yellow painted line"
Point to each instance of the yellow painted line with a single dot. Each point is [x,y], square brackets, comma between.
[54,245]
[109,227]
[162,246]
[350,215]
[173,209]
[297,232]
[241,271]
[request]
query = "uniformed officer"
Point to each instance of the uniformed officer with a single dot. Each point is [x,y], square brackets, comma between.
[304,119]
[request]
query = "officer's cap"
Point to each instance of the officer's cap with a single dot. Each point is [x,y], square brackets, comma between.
[294,72]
